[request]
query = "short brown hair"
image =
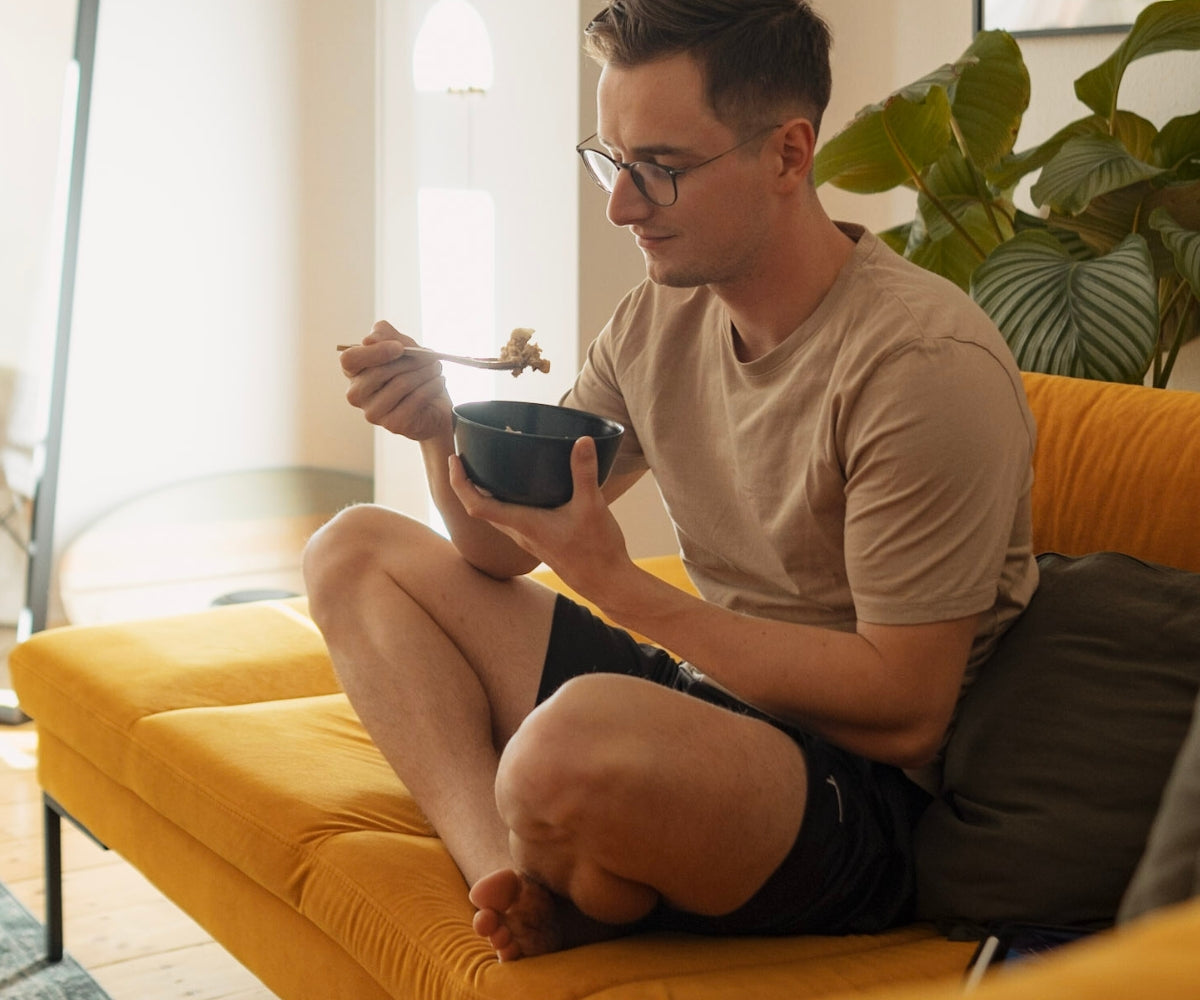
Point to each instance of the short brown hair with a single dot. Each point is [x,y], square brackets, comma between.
[761,59]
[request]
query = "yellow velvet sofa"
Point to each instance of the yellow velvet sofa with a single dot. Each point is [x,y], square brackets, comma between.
[215,752]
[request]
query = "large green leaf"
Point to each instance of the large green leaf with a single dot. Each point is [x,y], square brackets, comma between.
[990,97]
[1177,147]
[958,220]
[955,254]
[951,187]
[1161,27]
[951,182]
[1074,245]
[1181,200]
[942,78]
[897,236]
[1184,245]
[1130,128]
[1085,168]
[1180,291]
[1136,134]
[1109,218]
[1090,319]
[981,96]
[885,145]
[1113,216]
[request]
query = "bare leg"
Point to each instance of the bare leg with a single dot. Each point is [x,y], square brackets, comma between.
[569,821]
[619,793]
[441,663]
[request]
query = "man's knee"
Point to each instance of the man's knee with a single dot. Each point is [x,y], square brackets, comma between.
[349,544]
[347,535]
[564,759]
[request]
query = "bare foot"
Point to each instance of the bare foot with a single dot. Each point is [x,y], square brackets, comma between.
[518,916]
[522,918]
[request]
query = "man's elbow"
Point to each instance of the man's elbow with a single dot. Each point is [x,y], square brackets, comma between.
[917,744]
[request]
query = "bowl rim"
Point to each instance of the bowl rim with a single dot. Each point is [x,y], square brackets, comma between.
[612,429]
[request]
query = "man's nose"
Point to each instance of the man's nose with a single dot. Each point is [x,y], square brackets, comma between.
[626,204]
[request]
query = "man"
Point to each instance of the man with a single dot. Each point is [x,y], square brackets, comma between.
[843,444]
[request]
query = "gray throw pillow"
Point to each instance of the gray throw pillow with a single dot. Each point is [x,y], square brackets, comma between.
[1062,748]
[1169,871]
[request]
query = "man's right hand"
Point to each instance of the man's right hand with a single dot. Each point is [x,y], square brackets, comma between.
[402,394]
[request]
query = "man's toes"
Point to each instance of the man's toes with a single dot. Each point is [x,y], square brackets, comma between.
[510,954]
[497,891]
[486,922]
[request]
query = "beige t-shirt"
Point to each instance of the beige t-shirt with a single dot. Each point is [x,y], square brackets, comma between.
[875,466]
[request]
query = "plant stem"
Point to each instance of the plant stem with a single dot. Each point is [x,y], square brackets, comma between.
[920,184]
[1177,341]
[981,191]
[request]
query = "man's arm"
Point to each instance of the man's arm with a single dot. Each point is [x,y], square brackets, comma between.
[407,396]
[884,691]
[488,549]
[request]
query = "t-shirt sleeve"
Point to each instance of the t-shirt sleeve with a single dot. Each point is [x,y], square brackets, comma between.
[938,454]
[597,389]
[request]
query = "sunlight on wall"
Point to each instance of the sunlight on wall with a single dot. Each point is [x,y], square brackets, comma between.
[456,244]
[453,51]
[456,225]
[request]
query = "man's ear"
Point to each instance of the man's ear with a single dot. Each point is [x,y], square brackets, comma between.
[797,146]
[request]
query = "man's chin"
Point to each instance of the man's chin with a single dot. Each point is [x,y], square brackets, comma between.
[673,277]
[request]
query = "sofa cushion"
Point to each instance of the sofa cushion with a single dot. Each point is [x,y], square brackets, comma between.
[1062,747]
[1169,871]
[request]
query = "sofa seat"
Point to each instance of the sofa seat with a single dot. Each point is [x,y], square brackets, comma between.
[217,754]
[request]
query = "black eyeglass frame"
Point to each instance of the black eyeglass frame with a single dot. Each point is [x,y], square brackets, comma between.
[635,166]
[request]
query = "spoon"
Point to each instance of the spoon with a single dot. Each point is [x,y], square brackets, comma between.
[424,352]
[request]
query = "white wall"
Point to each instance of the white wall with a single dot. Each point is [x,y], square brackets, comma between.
[35,44]
[227,245]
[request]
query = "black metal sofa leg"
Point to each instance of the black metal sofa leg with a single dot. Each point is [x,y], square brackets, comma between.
[52,816]
[52,838]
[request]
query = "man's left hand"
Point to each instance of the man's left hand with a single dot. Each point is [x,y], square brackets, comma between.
[581,540]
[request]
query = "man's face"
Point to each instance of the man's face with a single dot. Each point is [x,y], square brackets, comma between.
[715,230]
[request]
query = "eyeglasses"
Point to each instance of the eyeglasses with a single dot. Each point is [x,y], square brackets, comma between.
[659,185]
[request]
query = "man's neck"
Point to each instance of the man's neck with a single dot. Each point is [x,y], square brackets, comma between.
[767,307]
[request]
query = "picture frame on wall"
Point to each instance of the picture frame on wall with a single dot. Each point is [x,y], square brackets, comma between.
[1057,17]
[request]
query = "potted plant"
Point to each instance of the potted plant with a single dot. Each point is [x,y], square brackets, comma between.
[1105,281]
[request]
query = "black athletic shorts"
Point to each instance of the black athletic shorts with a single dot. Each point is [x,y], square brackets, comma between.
[851,868]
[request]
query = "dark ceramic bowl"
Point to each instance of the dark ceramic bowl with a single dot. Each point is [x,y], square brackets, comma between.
[521,452]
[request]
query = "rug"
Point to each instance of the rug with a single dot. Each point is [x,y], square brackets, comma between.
[24,972]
